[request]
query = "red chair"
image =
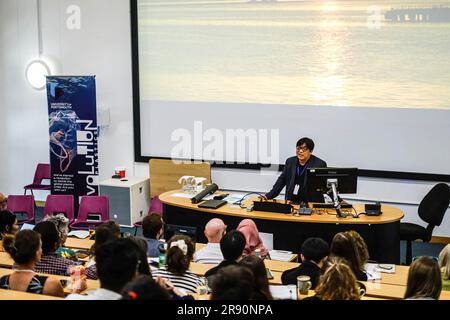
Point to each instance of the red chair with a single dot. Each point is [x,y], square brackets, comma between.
[155,206]
[90,206]
[22,205]
[55,204]
[42,172]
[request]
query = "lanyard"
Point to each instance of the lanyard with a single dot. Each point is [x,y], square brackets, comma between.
[300,173]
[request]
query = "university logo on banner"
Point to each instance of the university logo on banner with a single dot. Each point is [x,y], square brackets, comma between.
[73,135]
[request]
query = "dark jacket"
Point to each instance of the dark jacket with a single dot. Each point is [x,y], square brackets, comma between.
[221,265]
[287,178]
[307,268]
[360,275]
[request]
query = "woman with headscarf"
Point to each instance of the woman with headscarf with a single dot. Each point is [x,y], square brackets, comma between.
[252,238]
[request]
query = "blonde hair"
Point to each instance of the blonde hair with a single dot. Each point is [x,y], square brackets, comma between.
[338,282]
[444,262]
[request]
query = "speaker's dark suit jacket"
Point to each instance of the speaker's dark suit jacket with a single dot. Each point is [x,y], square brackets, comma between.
[287,179]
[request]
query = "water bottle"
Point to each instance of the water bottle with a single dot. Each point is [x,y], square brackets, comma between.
[162,254]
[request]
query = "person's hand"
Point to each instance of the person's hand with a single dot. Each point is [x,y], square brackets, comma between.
[165,284]
[81,285]
[263,197]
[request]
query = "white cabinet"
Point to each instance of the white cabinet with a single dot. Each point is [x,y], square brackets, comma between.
[129,199]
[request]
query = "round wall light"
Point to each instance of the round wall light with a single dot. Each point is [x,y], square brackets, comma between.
[35,74]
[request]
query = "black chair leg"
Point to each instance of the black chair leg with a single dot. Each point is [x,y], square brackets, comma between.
[408,252]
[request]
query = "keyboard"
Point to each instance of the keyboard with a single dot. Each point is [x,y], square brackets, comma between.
[331,206]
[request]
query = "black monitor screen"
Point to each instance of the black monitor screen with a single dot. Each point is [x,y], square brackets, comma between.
[318,178]
[172,230]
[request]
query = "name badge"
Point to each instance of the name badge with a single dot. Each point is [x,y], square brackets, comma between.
[296,188]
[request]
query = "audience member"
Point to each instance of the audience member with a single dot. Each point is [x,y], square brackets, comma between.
[314,251]
[3,202]
[104,233]
[444,264]
[144,288]
[233,282]
[261,283]
[50,263]
[8,223]
[62,224]
[152,230]
[178,257]
[215,229]
[344,246]
[337,283]
[117,261]
[361,247]
[25,249]
[424,280]
[252,238]
[232,246]
[144,268]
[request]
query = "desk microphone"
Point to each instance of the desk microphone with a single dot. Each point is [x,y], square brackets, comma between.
[208,190]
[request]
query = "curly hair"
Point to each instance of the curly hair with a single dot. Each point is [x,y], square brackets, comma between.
[361,247]
[344,245]
[338,282]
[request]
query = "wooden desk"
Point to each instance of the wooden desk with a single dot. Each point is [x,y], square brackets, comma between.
[380,232]
[300,297]
[5,260]
[76,243]
[273,265]
[390,291]
[294,258]
[19,295]
[91,284]
[200,269]
[398,278]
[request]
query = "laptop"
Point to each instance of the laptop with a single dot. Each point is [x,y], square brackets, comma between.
[212,204]
[171,230]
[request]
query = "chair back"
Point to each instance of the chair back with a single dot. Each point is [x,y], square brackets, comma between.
[164,174]
[434,205]
[156,206]
[22,204]
[93,205]
[42,172]
[59,204]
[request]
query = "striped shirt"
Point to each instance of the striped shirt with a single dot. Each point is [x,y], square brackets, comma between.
[188,281]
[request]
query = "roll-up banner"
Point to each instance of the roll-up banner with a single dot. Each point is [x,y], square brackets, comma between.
[73,135]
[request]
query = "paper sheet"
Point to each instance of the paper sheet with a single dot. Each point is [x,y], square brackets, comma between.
[82,234]
[189,196]
[27,226]
[284,292]
[380,268]
[280,255]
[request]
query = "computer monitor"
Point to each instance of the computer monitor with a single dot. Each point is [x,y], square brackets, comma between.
[320,179]
[171,230]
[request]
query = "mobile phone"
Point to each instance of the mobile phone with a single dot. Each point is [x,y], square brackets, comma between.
[385,266]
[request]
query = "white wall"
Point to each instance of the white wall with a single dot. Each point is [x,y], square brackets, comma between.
[102,48]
